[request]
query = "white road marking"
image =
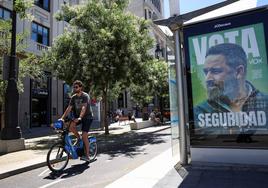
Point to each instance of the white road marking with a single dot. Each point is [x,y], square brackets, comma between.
[108,160]
[42,173]
[52,183]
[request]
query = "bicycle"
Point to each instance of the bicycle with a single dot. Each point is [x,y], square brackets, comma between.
[59,153]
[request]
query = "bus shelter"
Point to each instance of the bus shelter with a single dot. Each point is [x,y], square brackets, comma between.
[219,87]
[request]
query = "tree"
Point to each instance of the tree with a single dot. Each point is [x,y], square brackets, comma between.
[156,84]
[105,47]
[21,7]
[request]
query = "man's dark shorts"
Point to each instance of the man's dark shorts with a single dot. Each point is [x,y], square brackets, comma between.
[86,122]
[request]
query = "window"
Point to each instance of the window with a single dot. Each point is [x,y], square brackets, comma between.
[150,14]
[5,14]
[40,34]
[43,4]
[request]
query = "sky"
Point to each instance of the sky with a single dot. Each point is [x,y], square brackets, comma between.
[190,5]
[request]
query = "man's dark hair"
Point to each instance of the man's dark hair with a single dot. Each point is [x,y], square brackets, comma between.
[233,53]
[78,82]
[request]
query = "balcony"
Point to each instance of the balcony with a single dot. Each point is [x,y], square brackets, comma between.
[36,48]
[41,47]
[157,13]
[32,46]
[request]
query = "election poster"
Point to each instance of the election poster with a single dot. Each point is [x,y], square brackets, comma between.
[227,76]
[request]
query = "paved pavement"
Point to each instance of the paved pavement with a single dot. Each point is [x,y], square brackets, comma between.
[159,172]
[211,175]
[37,147]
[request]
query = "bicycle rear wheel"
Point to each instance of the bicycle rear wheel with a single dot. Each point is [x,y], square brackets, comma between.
[93,149]
[57,158]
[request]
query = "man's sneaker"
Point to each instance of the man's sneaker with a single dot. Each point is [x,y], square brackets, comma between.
[85,158]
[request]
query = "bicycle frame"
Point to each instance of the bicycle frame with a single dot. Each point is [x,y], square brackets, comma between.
[67,143]
[69,147]
[64,150]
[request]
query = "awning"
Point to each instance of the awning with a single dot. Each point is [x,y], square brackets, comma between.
[174,21]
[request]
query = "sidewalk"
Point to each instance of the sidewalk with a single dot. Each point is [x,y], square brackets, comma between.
[160,172]
[211,175]
[36,148]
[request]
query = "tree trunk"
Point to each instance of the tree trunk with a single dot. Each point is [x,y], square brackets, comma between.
[105,111]
[102,115]
[161,107]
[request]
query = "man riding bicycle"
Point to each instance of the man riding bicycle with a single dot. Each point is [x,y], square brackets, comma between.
[82,113]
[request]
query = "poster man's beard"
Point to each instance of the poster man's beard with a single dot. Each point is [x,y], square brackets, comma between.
[225,91]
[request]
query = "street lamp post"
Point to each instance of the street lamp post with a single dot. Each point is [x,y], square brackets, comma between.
[158,54]
[158,51]
[12,129]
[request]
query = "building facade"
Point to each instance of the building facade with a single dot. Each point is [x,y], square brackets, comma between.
[43,99]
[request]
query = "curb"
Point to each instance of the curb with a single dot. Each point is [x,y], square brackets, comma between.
[42,164]
[164,128]
[21,170]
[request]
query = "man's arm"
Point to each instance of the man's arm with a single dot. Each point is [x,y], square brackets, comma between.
[67,111]
[84,107]
[83,111]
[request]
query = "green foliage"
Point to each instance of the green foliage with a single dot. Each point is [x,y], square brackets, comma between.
[156,83]
[105,47]
[5,35]
[63,58]
[21,7]
[5,27]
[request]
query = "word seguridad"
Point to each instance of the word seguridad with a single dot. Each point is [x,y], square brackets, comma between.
[229,119]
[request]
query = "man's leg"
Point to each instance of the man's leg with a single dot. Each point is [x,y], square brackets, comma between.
[73,129]
[86,142]
[86,122]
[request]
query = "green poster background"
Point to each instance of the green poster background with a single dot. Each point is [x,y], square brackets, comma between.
[257,71]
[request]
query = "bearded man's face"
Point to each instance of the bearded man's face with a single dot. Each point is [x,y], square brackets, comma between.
[221,79]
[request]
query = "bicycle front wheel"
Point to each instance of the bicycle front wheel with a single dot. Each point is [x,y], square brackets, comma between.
[57,158]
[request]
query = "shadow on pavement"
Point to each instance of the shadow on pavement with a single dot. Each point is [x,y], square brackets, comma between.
[128,144]
[69,172]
